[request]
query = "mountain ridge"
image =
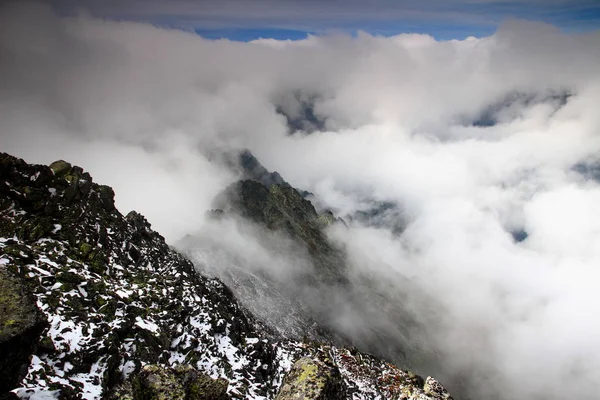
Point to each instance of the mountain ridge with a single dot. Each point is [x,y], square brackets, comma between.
[121,305]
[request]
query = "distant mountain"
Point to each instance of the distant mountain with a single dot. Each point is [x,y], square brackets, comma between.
[381,214]
[96,305]
[513,104]
[298,109]
[378,214]
[253,169]
[588,169]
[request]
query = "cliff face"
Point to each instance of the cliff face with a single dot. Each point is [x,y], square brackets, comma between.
[114,312]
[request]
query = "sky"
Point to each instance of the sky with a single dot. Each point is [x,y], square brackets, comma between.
[472,139]
[294,19]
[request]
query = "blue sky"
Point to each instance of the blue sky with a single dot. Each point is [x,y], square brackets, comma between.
[294,19]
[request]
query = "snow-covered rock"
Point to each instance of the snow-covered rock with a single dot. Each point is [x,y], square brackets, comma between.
[117,298]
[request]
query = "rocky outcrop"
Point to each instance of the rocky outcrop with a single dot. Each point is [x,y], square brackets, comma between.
[129,317]
[311,379]
[334,373]
[21,324]
[182,382]
[115,295]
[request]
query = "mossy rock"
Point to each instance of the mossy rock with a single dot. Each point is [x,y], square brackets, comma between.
[20,254]
[204,387]
[179,383]
[69,277]
[98,262]
[46,345]
[311,379]
[35,229]
[21,324]
[85,249]
[60,168]
[7,228]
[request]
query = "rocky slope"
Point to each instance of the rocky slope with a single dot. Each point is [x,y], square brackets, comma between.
[303,284]
[95,304]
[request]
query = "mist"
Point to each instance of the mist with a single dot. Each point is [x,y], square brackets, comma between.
[488,146]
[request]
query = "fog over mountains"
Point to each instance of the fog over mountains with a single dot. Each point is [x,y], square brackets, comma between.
[466,172]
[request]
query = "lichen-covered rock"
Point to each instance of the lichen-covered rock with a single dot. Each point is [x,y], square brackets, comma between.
[435,389]
[21,324]
[182,382]
[361,376]
[60,168]
[312,379]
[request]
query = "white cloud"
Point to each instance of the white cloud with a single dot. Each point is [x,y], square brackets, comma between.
[144,109]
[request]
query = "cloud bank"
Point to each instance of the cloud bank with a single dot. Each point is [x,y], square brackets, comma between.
[474,140]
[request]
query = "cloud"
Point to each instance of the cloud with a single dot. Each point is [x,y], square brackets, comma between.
[147,110]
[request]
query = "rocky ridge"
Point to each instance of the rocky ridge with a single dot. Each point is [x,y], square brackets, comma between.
[280,207]
[304,285]
[118,308]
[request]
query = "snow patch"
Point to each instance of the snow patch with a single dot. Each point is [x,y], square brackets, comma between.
[147,325]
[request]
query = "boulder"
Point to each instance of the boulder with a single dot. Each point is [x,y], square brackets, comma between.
[182,382]
[311,379]
[60,168]
[21,324]
[435,390]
